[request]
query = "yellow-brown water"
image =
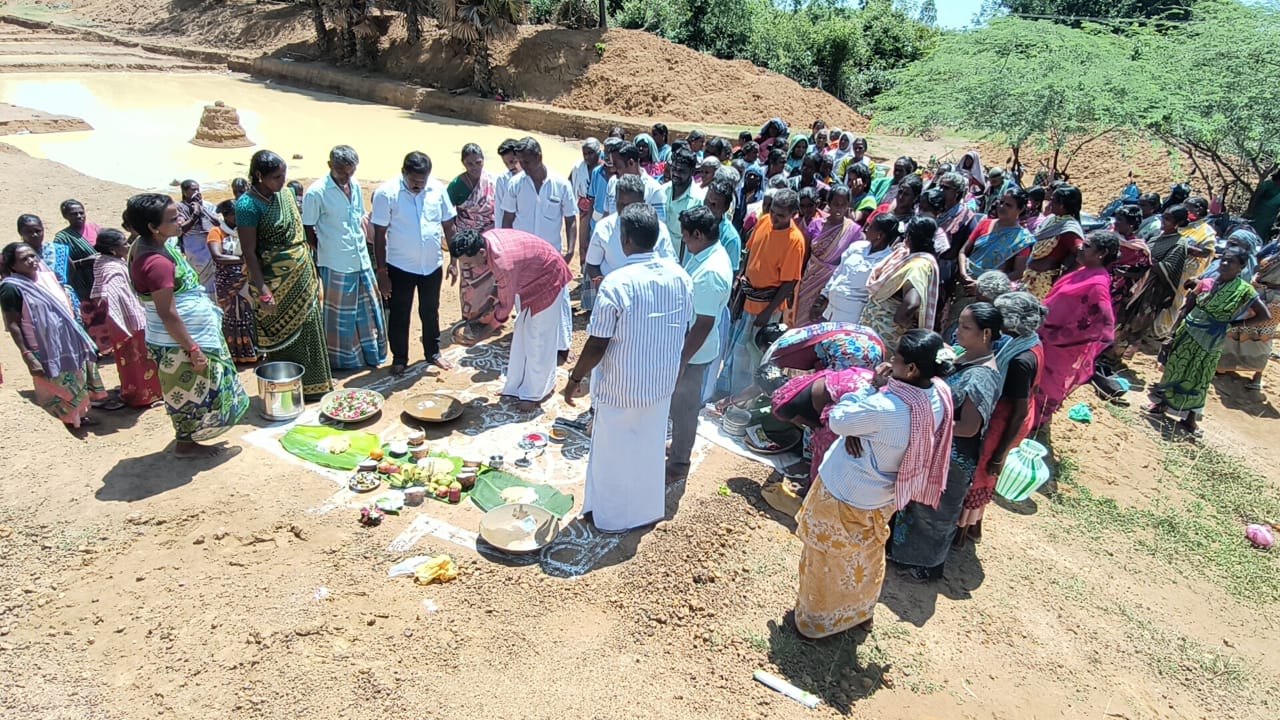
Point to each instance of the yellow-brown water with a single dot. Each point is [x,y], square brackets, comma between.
[143,121]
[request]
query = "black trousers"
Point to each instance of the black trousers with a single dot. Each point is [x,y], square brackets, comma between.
[403,286]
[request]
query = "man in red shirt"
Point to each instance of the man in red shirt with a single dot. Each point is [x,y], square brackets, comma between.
[530,272]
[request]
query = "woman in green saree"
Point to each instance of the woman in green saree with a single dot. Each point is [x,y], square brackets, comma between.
[289,315]
[1191,357]
[198,378]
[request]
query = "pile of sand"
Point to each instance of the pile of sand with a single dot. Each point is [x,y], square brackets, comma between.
[220,128]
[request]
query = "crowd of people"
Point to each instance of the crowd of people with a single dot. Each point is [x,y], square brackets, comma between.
[946,313]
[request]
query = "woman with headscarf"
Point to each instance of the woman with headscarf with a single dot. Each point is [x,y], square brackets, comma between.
[1057,239]
[903,289]
[895,449]
[1140,317]
[290,320]
[1019,359]
[971,167]
[922,535]
[770,132]
[47,331]
[1191,356]
[649,161]
[796,150]
[1080,324]
[1248,345]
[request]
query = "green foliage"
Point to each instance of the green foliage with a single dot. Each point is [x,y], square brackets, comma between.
[1219,100]
[850,53]
[1018,82]
[1067,11]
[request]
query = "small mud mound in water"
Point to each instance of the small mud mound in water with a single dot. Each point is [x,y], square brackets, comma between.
[220,128]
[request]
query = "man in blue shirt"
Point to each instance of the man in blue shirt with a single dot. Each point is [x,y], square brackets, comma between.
[708,268]
[332,216]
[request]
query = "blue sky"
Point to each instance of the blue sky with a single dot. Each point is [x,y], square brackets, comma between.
[957,13]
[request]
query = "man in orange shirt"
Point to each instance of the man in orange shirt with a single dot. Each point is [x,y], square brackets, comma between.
[775,260]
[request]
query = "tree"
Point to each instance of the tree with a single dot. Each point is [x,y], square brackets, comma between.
[478,23]
[1215,94]
[602,13]
[1020,82]
[928,13]
[1074,12]
[414,11]
[322,32]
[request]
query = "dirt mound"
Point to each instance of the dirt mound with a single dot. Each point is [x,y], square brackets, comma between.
[638,74]
[220,128]
[1103,167]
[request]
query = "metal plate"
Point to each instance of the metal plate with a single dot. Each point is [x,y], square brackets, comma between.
[433,407]
[376,396]
[519,528]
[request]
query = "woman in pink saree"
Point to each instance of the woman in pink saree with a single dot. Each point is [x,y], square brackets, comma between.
[1080,324]
[472,195]
[826,247]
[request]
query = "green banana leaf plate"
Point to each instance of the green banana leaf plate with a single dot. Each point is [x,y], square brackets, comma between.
[303,441]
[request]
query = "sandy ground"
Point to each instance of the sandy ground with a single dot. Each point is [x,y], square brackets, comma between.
[132,584]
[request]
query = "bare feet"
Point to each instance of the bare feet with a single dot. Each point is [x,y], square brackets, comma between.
[196,451]
[528,405]
[439,361]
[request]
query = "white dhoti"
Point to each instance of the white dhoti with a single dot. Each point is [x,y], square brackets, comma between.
[626,476]
[566,320]
[531,369]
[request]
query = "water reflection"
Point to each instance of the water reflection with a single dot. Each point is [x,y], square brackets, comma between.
[143,121]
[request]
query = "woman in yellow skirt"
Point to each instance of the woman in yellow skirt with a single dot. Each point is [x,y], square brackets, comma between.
[895,449]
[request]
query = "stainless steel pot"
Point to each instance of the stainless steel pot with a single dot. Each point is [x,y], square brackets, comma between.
[734,422]
[280,390]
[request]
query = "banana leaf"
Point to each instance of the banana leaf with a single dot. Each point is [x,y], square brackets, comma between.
[487,493]
[302,441]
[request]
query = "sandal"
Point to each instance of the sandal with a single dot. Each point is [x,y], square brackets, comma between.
[1193,433]
[110,405]
[1255,385]
[1157,409]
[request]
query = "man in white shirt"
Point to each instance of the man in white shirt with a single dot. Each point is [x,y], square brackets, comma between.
[412,223]
[333,218]
[502,185]
[712,275]
[580,179]
[541,202]
[605,253]
[626,161]
[637,331]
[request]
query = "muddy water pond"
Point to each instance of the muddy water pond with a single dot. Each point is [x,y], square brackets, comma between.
[143,123]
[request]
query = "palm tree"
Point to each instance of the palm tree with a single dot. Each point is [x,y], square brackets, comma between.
[322,33]
[602,15]
[414,11]
[476,24]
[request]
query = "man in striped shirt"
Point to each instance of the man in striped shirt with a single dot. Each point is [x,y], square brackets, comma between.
[637,332]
